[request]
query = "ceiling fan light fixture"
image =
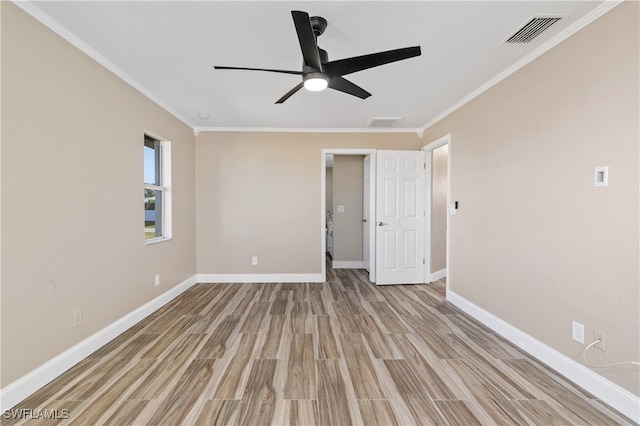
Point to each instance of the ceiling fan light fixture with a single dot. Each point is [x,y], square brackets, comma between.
[315,81]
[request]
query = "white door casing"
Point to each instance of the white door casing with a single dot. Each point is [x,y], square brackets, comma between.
[366,219]
[429,148]
[400,217]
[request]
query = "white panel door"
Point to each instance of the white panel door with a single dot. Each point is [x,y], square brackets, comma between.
[400,217]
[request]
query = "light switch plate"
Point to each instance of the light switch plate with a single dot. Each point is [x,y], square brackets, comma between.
[601,176]
[340,209]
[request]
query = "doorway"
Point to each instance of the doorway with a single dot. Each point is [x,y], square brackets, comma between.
[438,211]
[353,211]
[394,228]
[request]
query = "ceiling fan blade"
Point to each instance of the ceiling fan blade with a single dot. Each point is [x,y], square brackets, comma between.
[259,69]
[307,39]
[289,93]
[344,85]
[359,63]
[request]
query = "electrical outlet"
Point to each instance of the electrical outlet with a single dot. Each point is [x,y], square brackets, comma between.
[77,317]
[599,335]
[157,280]
[577,331]
[254,260]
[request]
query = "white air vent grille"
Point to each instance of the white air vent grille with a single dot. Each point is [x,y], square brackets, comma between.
[532,29]
[384,121]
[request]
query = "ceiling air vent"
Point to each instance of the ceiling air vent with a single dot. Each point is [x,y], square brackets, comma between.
[532,29]
[384,121]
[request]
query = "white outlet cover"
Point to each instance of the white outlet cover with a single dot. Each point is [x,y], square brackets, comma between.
[601,176]
[577,331]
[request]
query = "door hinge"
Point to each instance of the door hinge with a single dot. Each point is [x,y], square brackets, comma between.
[424,262]
[424,165]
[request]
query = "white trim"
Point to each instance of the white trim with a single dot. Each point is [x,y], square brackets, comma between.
[348,151]
[444,140]
[427,213]
[167,202]
[559,38]
[612,394]
[435,276]
[323,216]
[347,264]
[309,129]
[50,23]
[36,379]
[152,241]
[259,278]
[372,215]
[441,141]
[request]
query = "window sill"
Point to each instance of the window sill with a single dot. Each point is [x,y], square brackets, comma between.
[152,241]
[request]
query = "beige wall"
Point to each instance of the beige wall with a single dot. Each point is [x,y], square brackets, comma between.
[348,187]
[534,242]
[439,157]
[258,194]
[72,187]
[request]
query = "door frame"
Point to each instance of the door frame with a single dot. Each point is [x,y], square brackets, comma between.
[368,208]
[323,202]
[444,140]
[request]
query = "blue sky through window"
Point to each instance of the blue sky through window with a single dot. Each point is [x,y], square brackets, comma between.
[149,166]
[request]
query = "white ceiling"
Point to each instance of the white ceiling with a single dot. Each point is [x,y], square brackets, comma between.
[168,49]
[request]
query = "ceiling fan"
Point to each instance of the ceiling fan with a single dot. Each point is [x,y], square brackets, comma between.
[318,72]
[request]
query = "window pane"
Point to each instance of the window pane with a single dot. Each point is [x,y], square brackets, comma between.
[152,162]
[152,213]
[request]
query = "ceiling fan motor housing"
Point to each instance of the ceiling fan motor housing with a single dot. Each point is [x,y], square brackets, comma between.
[319,24]
[324,58]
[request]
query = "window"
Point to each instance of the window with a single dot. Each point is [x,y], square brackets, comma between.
[157,190]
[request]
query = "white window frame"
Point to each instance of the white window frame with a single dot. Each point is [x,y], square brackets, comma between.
[165,188]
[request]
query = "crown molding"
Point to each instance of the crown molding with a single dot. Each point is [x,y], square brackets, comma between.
[309,130]
[47,21]
[557,39]
[50,23]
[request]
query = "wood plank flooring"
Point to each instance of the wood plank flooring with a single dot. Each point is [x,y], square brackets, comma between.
[337,353]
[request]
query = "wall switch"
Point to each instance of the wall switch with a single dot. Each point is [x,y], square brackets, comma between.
[157,280]
[340,209]
[254,260]
[77,317]
[577,331]
[600,176]
[599,335]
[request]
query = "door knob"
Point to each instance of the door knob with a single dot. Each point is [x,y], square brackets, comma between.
[364,220]
[382,223]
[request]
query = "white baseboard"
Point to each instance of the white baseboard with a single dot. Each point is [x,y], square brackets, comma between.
[259,278]
[17,391]
[435,276]
[347,264]
[617,397]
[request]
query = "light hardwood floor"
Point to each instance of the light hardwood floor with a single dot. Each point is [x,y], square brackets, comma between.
[336,353]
